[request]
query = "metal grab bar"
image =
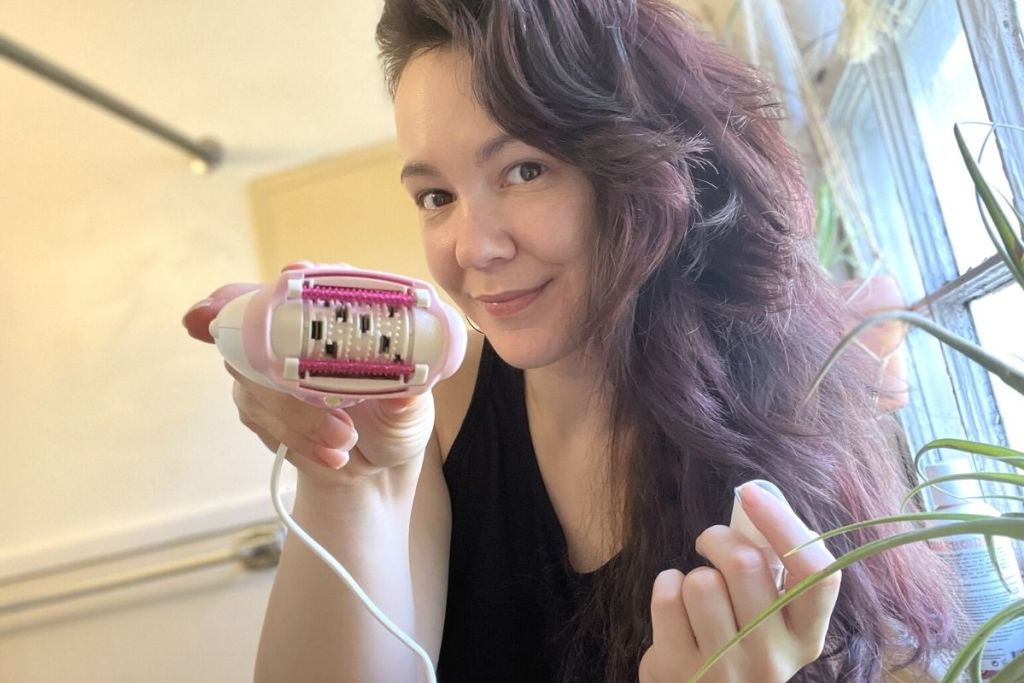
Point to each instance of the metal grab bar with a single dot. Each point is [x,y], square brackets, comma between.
[260,549]
[206,151]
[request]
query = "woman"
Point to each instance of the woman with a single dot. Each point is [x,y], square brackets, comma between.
[606,194]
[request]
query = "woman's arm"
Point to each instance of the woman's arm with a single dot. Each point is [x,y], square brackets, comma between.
[315,628]
[413,587]
[358,502]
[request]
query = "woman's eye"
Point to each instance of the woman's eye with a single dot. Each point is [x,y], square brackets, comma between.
[527,171]
[433,199]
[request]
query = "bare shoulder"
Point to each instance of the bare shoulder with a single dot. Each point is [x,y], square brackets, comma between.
[452,396]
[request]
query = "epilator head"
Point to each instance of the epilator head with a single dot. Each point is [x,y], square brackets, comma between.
[335,335]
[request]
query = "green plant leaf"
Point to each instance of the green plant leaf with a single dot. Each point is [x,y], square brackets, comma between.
[1010,374]
[1007,455]
[827,227]
[730,22]
[1007,243]
[974,647]
[993,558]
[895,519]
[996,526]
[999,477]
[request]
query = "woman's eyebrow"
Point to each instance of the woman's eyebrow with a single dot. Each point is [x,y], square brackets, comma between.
[484,154]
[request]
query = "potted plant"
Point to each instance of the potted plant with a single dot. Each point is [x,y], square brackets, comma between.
[1010,246]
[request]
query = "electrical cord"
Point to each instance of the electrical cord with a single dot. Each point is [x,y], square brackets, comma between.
[338,569]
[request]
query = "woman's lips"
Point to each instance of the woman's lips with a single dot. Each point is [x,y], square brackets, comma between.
[507,305]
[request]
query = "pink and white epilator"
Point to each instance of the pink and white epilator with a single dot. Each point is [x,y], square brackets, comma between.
[333,335]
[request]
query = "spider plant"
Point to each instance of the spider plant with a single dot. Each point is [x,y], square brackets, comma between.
[1009,242]
[835,249]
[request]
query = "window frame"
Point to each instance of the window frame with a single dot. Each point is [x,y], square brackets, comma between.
[953,396]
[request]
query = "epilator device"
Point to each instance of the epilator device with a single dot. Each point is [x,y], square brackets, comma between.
[333,335]
[741,523]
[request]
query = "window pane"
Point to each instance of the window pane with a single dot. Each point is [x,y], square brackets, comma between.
[868,157]
[1020,21]
[933,409]
[944,90]
[999,319]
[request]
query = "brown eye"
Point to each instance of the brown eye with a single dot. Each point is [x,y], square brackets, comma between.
[436,199]
[527,171]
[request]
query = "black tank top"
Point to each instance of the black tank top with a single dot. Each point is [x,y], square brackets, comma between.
[511,590]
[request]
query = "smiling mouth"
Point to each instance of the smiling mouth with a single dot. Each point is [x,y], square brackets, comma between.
[509,303]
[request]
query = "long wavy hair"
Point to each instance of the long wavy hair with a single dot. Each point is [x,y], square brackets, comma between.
[706,307]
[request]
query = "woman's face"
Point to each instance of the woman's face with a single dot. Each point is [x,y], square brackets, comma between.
[507,229]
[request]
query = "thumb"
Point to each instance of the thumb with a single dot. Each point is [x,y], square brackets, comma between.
[197,319]
[405,411]
[297,265]
[400,405]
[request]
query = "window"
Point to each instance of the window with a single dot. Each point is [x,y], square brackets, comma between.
[893,119]
[1002,331]
[944,90]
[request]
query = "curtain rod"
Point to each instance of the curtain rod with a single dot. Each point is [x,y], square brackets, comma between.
[206,153]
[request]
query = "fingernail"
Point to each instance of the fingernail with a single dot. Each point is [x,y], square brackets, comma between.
[200,304]
[333,459]
[751,494]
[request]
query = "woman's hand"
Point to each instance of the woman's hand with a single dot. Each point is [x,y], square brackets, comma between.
[322,443]
[390,432]
[696,614]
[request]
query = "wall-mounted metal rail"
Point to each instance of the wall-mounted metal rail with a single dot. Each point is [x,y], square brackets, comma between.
[259,547]
[206,153]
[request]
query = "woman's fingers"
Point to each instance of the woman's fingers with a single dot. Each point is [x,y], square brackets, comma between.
[747,573]
[695,615]
[325,437]
[392,431]
[708,605]
[669,619]
[674,646]
[297,265]
[197,319]
[808,616]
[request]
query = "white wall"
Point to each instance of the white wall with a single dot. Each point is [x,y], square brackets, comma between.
[118,429]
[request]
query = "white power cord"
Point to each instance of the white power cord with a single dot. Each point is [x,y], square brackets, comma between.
[338,569]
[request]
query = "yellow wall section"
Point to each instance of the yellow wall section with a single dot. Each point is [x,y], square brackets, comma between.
[345,209]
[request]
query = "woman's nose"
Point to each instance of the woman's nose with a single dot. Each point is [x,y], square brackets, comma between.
[482,236]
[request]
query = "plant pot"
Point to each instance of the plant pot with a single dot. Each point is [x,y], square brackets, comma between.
[883,342]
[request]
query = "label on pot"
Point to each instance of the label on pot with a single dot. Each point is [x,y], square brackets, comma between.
[984,594]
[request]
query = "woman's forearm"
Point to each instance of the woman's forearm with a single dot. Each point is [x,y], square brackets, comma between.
[315,628]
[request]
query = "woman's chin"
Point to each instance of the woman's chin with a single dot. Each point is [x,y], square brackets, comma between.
[526,351]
